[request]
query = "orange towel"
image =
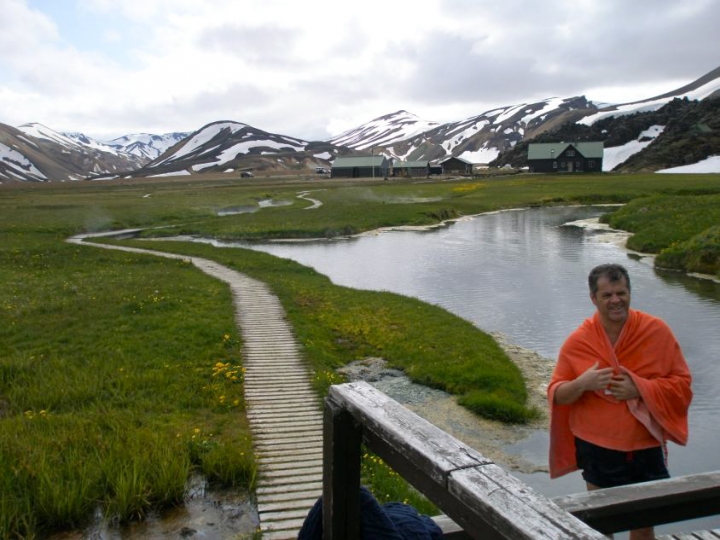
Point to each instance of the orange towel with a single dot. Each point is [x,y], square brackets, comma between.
[649,353]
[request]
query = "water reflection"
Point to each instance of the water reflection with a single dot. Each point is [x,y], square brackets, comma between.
[250,209]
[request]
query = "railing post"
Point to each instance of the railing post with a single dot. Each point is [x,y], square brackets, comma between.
[341,473]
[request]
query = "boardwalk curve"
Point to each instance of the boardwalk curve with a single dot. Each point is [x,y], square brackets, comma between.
[283,411]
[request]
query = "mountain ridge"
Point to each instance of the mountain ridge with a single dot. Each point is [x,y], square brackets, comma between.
[34,152]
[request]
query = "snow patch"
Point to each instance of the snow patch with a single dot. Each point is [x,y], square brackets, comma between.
[708,165]
[178,173]
[483,155]
[615,155]
[15,160]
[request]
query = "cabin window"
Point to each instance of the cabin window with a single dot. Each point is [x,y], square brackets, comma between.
[562,164]
[570,153]
[554,164]
[591,164]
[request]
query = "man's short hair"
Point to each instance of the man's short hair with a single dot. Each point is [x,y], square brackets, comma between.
[613,272]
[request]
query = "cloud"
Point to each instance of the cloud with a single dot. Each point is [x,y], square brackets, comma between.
[259,45]
[312,69]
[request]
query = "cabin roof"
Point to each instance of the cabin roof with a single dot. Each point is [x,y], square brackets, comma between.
[550,150]
[411,164]
[359,161]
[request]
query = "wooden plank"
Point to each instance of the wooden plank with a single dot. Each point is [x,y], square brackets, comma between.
[287,374]
[303,505]
[291,396]
[278,461]
[286,416]
[647,504]
[271,447]
[285,529]
[450,529]
[295,450]
[276,383]
[289,480]
[291,496]
[292,473]
[341,474]
[492,503]
[264,441]
[298,424]
[281,535]
[291,467]
[269,490]
[278,406]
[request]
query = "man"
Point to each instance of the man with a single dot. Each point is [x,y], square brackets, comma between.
[620,390]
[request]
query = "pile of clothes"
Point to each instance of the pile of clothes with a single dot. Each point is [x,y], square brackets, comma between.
[389,521]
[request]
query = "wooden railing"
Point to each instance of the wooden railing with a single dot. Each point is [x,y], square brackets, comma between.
[648,504]
[479,499]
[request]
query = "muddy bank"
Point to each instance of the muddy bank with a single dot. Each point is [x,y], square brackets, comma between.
[488,437]
[206,514]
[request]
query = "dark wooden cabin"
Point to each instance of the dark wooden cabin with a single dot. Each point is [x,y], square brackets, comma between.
[565,157]
[409,169]
[456,165]
[360,167]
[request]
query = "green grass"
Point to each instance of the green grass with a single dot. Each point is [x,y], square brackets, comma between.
[336,325]
[107,393]
[387,486]
[683,230]
[112,386]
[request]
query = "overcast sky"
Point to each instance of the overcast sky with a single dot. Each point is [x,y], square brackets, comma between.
[314,68]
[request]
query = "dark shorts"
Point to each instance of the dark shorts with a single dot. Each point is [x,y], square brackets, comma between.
[609,468]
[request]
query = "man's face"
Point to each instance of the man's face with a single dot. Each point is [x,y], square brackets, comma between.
[612,301]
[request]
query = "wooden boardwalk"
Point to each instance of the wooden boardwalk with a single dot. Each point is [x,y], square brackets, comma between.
[285,414]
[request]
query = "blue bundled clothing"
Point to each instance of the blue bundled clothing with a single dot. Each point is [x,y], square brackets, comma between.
[389,521]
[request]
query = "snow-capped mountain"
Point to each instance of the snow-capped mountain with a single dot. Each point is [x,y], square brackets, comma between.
[68,140]
[481,138]
[146,145]
[36,153]
[384,131]
[228,146]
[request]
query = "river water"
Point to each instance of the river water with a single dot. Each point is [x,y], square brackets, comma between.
[524,273]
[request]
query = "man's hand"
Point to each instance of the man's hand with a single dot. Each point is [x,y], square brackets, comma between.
[622,387]
[595,379]
[590,380]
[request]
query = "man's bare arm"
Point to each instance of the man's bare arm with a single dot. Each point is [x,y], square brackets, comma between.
[592,379]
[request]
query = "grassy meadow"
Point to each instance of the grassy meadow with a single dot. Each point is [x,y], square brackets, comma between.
[121,374]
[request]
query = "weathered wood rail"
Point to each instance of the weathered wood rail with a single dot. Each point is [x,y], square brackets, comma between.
[479,498]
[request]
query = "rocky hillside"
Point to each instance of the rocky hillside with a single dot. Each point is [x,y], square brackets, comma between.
[34,152]
[682,132]
[481,138]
